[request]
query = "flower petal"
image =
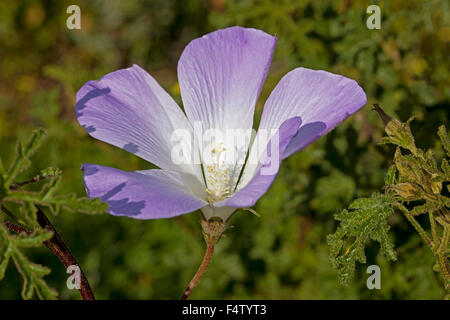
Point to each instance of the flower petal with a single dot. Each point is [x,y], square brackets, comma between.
[221,75]
[149,194]
[322,99]
[129,109]
[266,170]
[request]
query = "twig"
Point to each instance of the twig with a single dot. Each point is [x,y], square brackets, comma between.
[58,247]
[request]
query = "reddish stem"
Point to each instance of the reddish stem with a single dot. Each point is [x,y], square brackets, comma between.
[58,247]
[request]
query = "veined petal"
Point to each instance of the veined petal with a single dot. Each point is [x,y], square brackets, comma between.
[322,100]
[129,109]
[221,75]
[148,194]
[267,168]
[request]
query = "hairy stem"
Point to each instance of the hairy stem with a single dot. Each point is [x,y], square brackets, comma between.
[442,257]
[201,270]
[438,250]
[422,233]
[433,228]
[212,231]
[58,247]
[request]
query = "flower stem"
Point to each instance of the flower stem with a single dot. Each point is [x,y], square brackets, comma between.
[201,270]
[212,231]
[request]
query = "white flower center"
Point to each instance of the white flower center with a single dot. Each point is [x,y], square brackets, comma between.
[217,177]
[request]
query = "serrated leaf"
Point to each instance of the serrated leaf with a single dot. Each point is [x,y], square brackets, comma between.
[366,218]
[32,273]
[48,173]
[429,206]
[32,240]
[22,157]
[27,214]
[5,250]
[69,201]
[32,278]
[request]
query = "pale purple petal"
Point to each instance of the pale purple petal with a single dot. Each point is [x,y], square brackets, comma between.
[261,181]
[221,75]
[322,99]
[149,194]
[129,109]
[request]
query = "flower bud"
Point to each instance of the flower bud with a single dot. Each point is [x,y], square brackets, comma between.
[399,133]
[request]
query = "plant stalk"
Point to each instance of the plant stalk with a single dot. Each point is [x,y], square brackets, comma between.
[201,270]
[212,231]
[58,247]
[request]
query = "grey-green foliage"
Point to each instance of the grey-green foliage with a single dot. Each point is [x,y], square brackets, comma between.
[413,187]
[15,195]
[365,219]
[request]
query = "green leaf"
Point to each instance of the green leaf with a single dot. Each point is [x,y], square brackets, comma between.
[22,157]
[69,201]
[32,273]
[34,240]
[47,197]
[48,173]
[366,218]
[390,176]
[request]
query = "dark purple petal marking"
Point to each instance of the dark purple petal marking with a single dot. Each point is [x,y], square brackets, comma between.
[221,75]
[316,96]
[123,206]
[131,147]
[307,134]
[81,103]
[89,129]
[89,170]
[149,194]
[129,109]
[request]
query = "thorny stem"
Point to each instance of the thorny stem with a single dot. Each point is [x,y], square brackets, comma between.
[58,247]
[212,231]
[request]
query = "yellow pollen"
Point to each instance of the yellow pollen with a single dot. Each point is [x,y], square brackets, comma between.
[218,180]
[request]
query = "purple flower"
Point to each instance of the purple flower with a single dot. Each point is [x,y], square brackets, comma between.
[220,75]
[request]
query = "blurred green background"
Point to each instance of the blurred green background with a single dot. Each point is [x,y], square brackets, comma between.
[404,67]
